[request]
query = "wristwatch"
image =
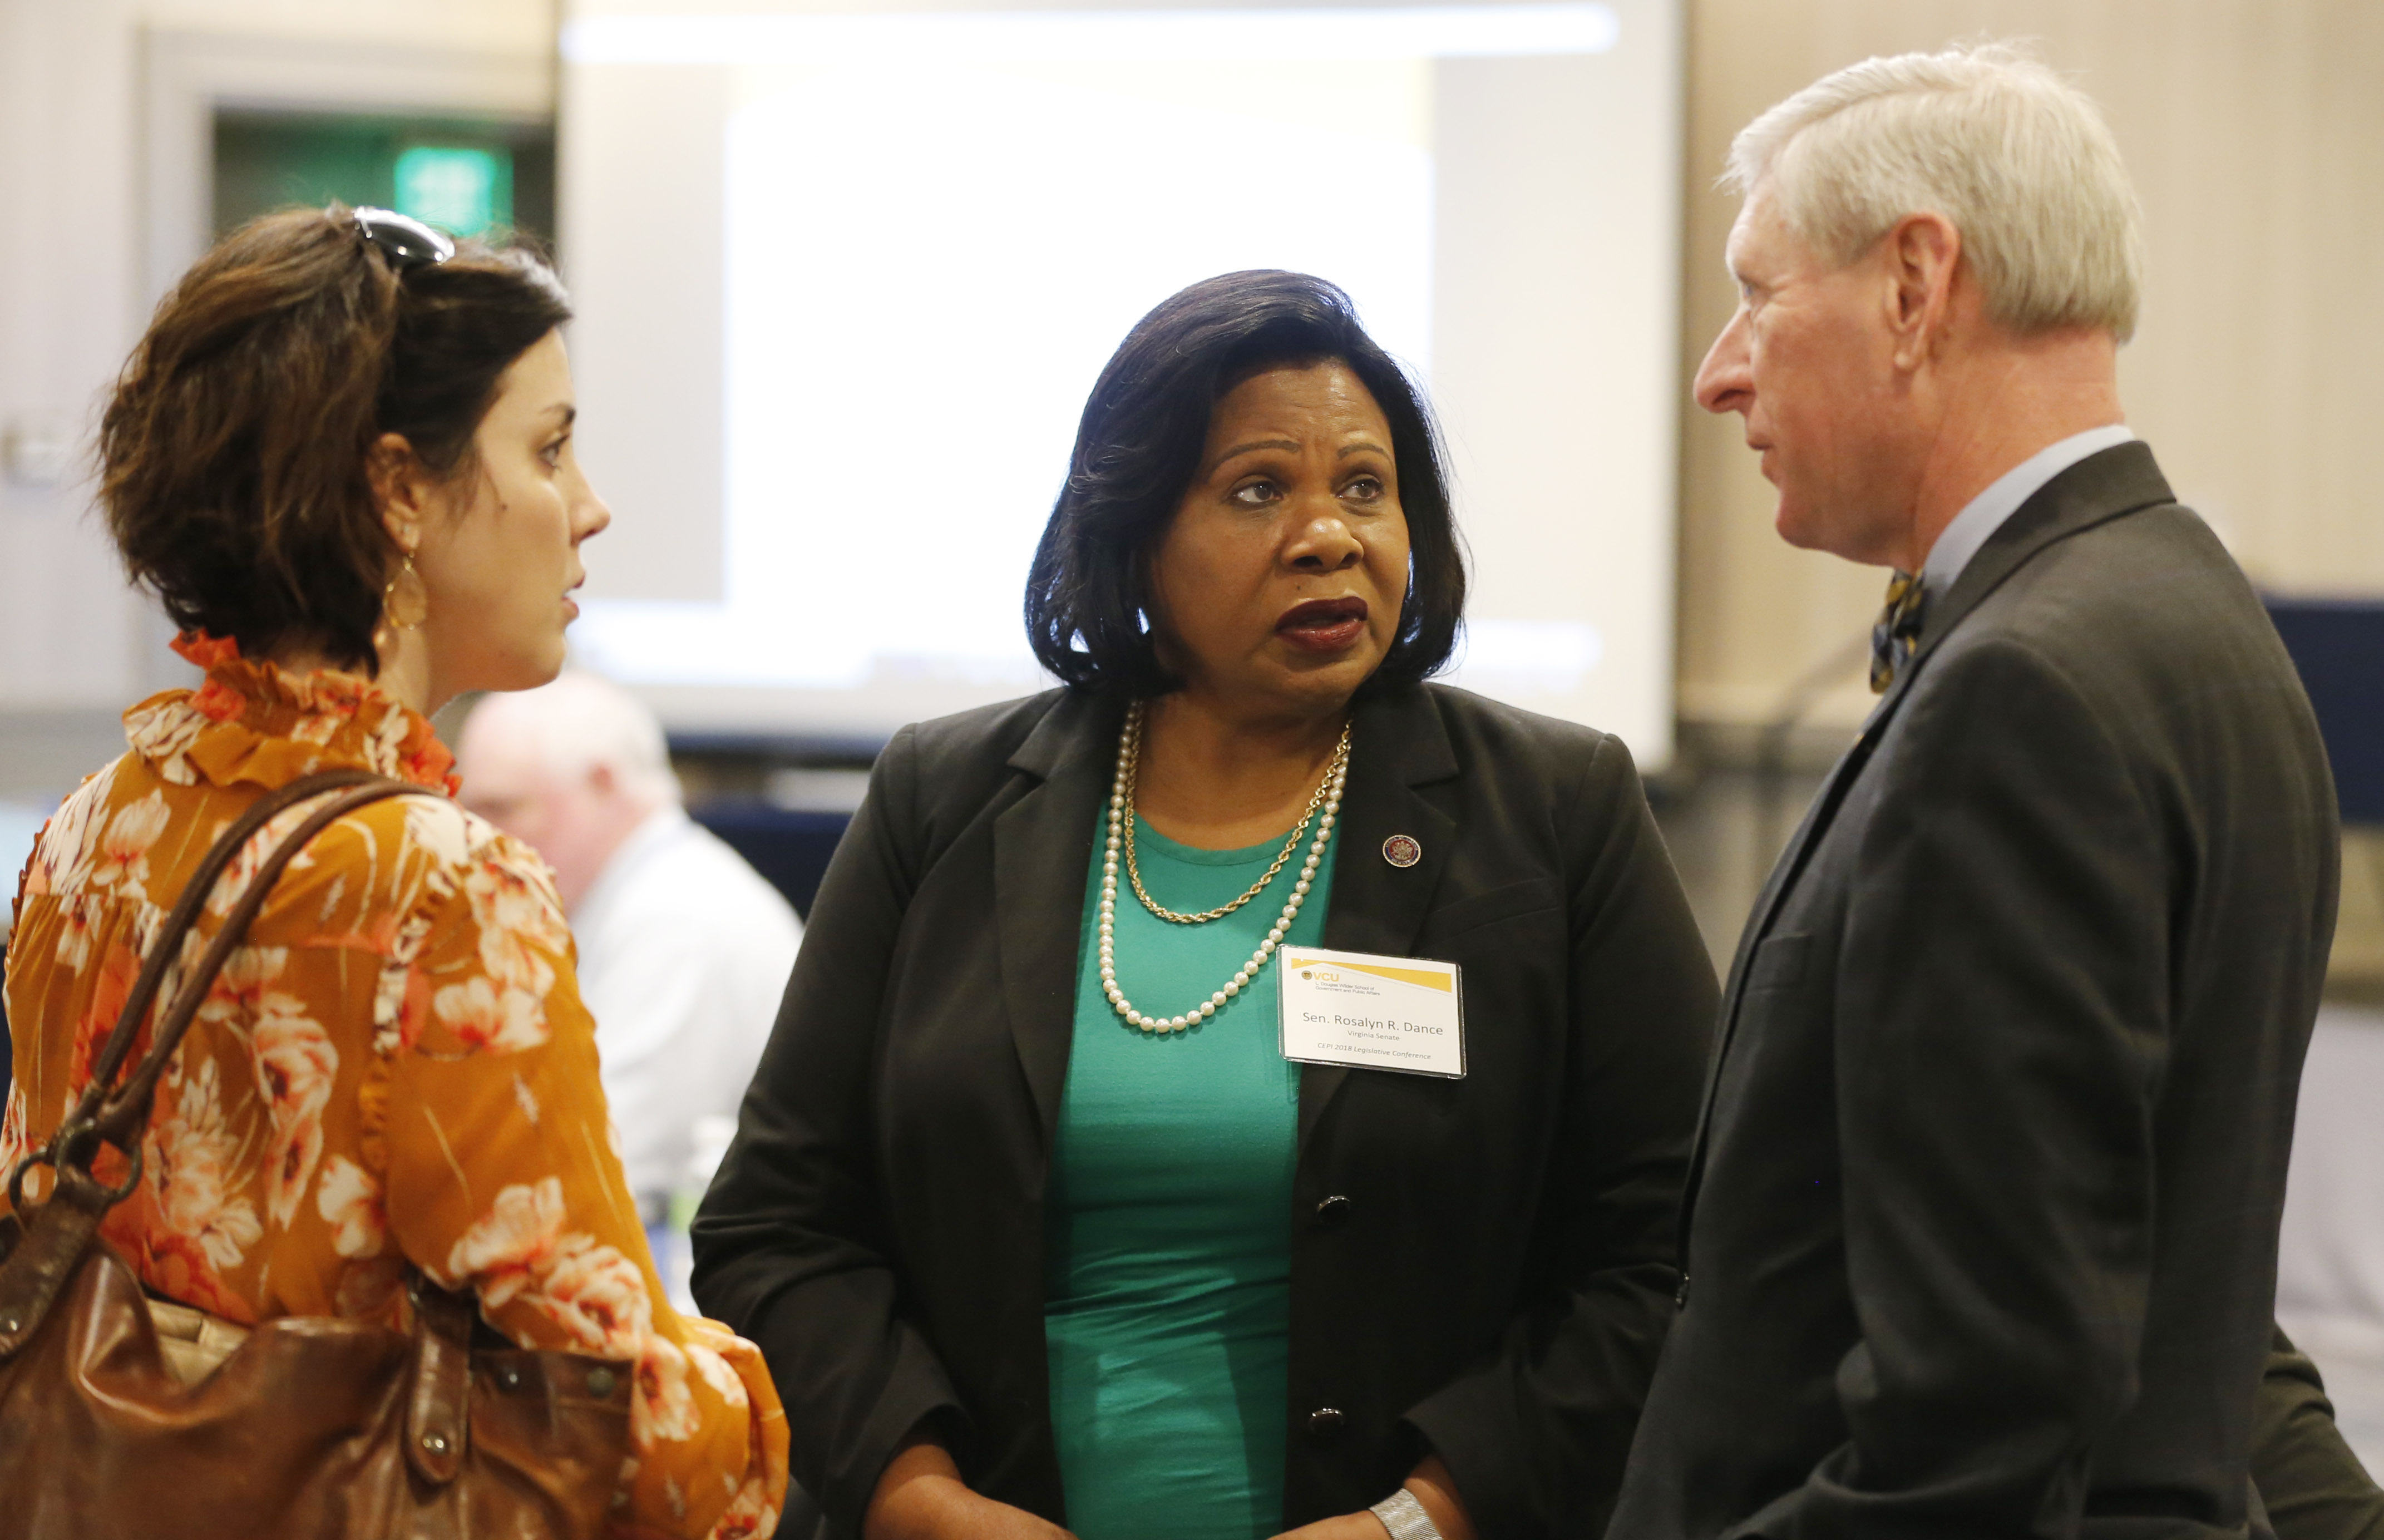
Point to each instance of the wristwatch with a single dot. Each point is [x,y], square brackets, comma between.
[1405,1517]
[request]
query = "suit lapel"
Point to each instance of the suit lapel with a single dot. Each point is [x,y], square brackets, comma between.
[1785,872]
[2120,480]
[2104,486]
[1818,814]
[1396,745]
[1042,847]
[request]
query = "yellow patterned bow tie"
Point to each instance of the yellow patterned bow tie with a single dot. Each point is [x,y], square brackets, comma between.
[1898,631]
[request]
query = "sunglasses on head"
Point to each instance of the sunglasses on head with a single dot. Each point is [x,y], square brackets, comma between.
[403,242]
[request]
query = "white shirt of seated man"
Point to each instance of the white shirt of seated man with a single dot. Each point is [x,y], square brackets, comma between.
[684,949]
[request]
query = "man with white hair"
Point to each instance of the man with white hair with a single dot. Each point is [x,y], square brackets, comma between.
[1980,1231]
[684,949]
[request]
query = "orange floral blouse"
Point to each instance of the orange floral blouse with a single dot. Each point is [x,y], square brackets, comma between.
[396,1068]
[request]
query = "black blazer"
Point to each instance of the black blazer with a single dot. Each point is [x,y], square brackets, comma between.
[1981,1238]
[1496,1284]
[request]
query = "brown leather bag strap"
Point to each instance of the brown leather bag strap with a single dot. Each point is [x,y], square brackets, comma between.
[56,1234]
[167,946]
[439,1407]
[115,1116]
[125,1112]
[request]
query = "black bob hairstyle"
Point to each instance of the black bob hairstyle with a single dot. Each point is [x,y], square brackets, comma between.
[1139,445]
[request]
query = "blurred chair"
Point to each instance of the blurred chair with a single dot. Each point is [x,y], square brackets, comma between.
[2337,645]
[790,848]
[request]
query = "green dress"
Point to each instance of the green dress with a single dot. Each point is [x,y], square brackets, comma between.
[1167,1278]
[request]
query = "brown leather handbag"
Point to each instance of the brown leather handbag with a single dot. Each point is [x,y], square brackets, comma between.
[307,1426]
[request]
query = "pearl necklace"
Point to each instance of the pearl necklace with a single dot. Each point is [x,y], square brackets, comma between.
[1325,807]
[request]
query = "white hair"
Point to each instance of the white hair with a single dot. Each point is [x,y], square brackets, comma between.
[581,722]
[2019,159]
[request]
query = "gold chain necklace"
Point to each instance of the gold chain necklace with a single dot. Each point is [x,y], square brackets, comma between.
[1130,767]
[1325,807]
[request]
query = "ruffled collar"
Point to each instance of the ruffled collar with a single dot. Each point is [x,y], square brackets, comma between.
[252,721]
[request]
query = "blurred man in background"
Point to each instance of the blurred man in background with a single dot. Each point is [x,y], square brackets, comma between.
[684,949]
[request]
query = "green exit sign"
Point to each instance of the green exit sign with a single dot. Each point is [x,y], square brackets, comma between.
[462,191]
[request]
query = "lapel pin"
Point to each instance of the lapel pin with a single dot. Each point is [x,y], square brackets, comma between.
[1402,851]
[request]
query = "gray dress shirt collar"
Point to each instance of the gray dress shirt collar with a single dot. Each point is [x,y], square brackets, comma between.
[1985,513]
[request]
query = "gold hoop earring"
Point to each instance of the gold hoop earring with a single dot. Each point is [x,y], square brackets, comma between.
[401,611]
[409,610]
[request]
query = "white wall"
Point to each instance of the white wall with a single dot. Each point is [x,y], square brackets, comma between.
[74,643]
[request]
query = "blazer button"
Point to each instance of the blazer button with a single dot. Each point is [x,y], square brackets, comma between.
[1324,1424]
[1680,1294]
[1334,1213]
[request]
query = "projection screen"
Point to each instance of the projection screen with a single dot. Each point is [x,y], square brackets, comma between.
[844,278]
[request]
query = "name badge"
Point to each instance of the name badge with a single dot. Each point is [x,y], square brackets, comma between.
[1369,1012]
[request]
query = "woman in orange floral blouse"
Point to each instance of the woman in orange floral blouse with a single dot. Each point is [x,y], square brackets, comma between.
[341,457]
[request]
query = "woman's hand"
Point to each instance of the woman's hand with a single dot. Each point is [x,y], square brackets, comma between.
[921,1497]
[1341,1526]
[1430,1483]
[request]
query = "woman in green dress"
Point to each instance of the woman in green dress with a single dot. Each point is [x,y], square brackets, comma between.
[1039,1226]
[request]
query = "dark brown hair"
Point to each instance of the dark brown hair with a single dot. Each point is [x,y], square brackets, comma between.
[232,452]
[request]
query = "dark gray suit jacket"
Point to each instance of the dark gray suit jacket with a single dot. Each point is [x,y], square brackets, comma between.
[1980,1231]
[2312,1485]
[1484,1264]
